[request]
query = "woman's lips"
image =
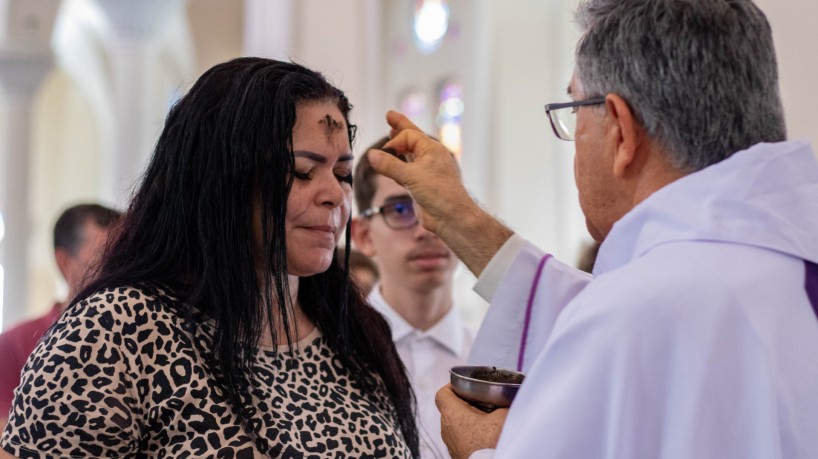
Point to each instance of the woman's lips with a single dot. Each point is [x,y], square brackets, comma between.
[321,228]
[325,233]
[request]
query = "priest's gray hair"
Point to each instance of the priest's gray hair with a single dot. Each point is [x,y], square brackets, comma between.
[700,75]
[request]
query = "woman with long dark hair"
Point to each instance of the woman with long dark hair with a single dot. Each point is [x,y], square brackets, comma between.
[218,324]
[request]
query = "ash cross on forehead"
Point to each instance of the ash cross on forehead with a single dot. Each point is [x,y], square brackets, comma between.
[331,125]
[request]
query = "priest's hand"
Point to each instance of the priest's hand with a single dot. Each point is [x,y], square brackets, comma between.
[442,203]
[466,429]
[430,173]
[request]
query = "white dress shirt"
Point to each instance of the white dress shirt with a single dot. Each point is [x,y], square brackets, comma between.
[428,355]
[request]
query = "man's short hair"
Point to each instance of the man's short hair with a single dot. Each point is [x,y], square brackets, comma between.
[699,75]
[68,231]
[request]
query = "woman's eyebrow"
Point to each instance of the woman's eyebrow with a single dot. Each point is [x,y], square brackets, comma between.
[318,158]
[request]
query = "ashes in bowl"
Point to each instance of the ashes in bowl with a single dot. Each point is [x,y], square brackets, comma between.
[485,387]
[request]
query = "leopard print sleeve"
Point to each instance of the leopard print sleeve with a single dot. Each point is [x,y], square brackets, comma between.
[76,397]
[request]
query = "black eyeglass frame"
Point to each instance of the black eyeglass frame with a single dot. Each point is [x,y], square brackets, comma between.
[371,212]
[577,103]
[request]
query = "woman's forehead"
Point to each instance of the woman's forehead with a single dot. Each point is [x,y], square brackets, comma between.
[320,119]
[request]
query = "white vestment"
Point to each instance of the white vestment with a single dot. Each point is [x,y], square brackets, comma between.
[697,336]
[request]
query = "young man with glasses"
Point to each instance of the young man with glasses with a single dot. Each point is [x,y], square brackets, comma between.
[697,335]
[414,292]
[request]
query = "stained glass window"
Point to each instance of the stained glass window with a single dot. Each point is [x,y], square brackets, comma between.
[413,103]
[449,117]
[431,24]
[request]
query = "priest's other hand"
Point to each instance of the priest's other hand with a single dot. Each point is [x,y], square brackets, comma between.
[466,429]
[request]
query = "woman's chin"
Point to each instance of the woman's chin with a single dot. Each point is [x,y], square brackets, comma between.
[309,269]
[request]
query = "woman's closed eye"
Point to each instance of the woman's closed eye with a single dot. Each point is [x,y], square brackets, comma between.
[341,176]
[344,177]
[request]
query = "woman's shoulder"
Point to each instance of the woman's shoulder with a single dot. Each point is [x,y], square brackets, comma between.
[130,326]
[129,294]
[96,367]
[124,307]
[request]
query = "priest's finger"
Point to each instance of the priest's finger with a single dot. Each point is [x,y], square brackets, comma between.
[399,122]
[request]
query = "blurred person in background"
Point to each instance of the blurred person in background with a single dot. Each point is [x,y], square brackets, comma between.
[80,234]
[362,269]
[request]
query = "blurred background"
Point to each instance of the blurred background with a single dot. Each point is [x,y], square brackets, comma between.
[85,86]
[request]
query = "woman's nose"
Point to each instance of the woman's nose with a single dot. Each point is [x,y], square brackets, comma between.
[332,192]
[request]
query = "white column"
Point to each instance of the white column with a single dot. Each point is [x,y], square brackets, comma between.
[371,105]
[25,58]
[20,78]
[135,29]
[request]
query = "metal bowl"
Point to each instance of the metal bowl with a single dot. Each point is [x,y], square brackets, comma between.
[483,394]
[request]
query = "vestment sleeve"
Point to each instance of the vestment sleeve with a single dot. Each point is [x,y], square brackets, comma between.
[482,454]
[76,396]
[527,289]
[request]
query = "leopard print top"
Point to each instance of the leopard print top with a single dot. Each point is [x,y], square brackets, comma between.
[122,374]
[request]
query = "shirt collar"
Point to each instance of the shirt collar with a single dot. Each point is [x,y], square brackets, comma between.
[448,332]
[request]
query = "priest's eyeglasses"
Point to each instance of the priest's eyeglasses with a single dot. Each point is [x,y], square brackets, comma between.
[397,215]
[563,117]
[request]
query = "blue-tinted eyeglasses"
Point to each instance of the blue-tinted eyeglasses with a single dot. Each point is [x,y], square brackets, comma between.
[397,215]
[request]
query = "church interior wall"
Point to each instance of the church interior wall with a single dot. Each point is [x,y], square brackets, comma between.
[511,58]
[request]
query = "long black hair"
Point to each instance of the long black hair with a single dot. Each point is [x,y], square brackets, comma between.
[226,145]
